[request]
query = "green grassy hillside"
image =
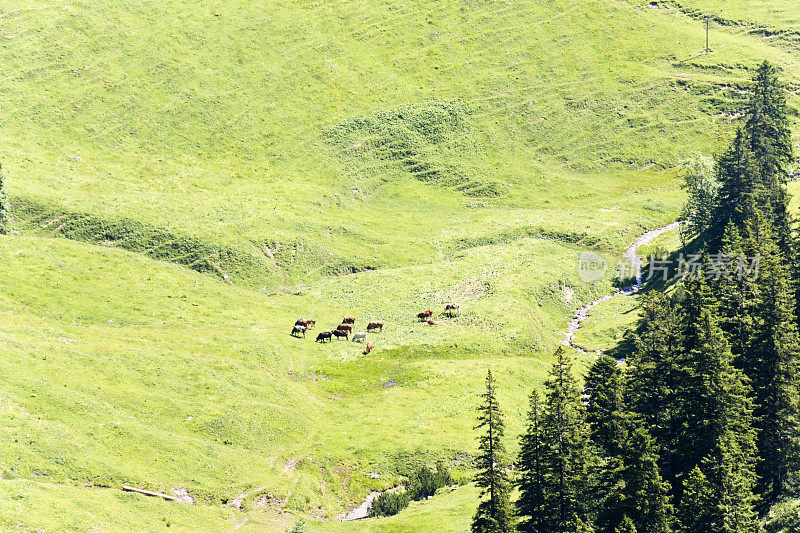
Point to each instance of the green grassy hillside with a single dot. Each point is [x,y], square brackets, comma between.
[189,178]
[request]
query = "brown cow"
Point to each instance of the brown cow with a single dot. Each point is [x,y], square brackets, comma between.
[298,330]
[369,348]
[375,325]
[339,334]
[433,322]
[349,320]
[345,327]
[325,335]
[450,309]
[307,322]
[425,315]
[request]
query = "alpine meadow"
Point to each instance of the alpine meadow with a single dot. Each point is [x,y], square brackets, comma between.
[400,266]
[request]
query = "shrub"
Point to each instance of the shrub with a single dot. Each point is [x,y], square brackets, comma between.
[299,527]
[389,504]
[425,482]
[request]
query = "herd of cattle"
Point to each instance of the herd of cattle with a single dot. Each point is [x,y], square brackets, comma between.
[345,329]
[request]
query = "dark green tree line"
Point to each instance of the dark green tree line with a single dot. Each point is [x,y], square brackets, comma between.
[699,430]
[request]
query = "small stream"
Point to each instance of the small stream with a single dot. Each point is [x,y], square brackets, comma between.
[631,254]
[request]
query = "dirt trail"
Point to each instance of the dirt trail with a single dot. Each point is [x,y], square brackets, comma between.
[631,254]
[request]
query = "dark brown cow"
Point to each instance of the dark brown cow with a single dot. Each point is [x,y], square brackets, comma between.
[345,327]
[369,348]
[307,322]
[339,334]
[324,336]
[299,330]
[425,315]
[349,320]
[375,325]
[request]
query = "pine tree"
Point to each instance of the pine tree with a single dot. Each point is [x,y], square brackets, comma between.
[767,126]
[493,514]
[633,487]
[737,295]
[646,501]
[719,428]
[740,190]
[567,455]
[686,388]
[531,467]
[771,363]
[626,526]
[653,378]
[695,513]
[603,393]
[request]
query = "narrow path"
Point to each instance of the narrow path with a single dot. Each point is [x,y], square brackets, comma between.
[631,254]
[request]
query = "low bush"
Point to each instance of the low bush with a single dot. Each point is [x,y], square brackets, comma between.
[389,504]
[424,482]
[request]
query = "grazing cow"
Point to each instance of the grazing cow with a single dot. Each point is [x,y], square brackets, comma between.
[369,348]
[359,337]
[307,322]
[451,309]
[299,330]
[339,334]
[425,315]
[345,327]
[324,336]
[432,322]
[375,325]
[349,320]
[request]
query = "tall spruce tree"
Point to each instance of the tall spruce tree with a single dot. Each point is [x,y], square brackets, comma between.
[695,514]
[634,489]
[493,514]
[716,415]
[531,468]
[767,126]
[740,188]
[771,363]
[568,456]
[737,293]
[770,142]
[603,395]
[653,378]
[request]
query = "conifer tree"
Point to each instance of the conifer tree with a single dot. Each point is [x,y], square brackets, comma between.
[493,514]
[653,377]
[695,512]
[531,467]
[737,294]
[634,488]
[767,126]
[740,187]
[568,456]
[717,419]
[771,363]
[626,526]
[603,393]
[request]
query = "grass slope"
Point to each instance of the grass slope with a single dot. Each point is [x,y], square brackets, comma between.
[214,120]
[316,159]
